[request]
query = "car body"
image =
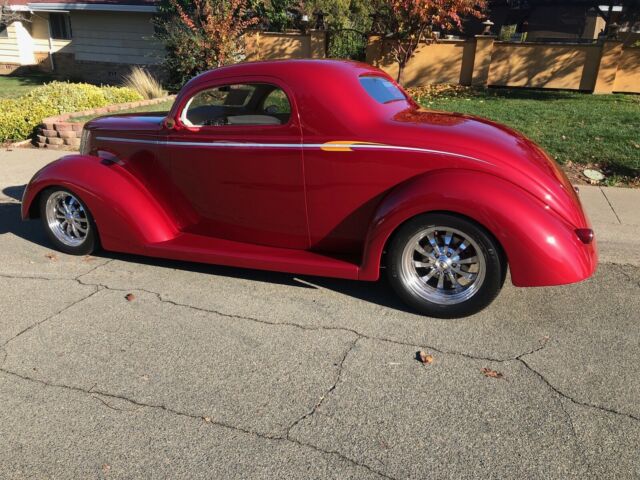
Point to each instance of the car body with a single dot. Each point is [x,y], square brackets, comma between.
[226,179]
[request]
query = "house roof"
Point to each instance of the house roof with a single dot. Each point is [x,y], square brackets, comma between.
[95,5]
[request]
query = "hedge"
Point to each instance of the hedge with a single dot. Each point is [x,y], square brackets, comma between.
[20,116]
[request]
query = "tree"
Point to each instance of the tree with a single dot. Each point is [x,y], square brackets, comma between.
[412,22]
[200,35]
[8,16]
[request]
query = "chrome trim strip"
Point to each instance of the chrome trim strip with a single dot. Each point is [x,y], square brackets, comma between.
[353,146]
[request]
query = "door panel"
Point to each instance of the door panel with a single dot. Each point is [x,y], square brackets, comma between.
[253,193]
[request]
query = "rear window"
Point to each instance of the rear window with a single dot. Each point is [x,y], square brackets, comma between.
[381,89]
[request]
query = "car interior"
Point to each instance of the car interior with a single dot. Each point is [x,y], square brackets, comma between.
[250,104]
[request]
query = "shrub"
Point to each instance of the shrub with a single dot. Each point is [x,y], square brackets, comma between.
[199,35]
[115,95]
[144,83]
[20,116]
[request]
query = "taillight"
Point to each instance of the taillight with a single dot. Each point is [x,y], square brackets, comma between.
[585,235]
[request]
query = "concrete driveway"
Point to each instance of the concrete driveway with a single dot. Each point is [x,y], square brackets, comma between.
[211,372]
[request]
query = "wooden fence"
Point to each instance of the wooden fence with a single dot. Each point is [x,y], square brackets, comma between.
[600,67]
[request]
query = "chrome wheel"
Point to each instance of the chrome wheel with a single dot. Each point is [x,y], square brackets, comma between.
[67,218]
[443,265]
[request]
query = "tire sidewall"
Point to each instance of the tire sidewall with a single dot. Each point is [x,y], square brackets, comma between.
[90,243]
[495,270]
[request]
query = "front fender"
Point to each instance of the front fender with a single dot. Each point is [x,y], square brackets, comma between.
[541,247]
[126,213]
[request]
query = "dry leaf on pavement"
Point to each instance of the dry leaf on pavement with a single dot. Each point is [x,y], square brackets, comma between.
[130,297]
[424,358]
[487,372]
[51,256]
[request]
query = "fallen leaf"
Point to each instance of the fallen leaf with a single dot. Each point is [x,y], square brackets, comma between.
[52,256]
[424,357]
[105,468]
[487,372]
[130,297]
[207,419]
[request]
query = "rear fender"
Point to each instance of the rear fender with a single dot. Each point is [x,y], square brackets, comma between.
[541,247]
[125,212]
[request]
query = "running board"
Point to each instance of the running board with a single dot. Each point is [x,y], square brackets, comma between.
[198,248]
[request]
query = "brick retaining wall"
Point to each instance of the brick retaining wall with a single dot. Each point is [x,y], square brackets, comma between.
[59,132]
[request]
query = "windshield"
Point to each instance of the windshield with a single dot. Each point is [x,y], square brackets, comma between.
[381,89]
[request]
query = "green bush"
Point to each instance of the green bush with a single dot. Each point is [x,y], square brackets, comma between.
[20,116]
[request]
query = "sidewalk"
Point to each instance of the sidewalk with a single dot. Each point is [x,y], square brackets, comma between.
[615,215]
[614,212]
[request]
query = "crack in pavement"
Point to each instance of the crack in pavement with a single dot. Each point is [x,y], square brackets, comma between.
[359,335]
[311,412]
[287,437]
[49,317]
[96,393]
[578,442]
[573,400]
[161,298]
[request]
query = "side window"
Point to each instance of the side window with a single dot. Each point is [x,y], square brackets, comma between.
[238,104]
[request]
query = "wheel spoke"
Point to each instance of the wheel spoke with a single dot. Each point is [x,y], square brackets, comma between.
[461,248]
[441,281]
[422,251]
[467,275]
[428,276]
[467,261]
[434,244]
[422,264]
[453,279]
[447,238]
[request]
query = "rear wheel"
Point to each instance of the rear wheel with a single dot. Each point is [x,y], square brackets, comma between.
[445,266]
[68,222]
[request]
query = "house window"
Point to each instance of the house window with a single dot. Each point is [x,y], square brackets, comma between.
[60,26]
[3,30]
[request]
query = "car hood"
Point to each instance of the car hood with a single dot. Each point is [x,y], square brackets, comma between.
[151,121]
[485,145]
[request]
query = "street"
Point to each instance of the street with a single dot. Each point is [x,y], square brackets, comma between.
[118,366]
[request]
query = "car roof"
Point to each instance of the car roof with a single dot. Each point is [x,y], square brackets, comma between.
[292,68]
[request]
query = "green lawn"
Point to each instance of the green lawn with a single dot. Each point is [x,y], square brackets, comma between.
[601,130]
[158,107]
[12,87]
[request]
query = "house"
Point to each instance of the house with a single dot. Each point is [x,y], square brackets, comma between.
[577,21]
[92,40]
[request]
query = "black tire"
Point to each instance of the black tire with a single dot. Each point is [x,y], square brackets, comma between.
[88,244]
[407,284]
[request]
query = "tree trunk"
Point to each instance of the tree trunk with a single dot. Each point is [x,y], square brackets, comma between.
[401,66]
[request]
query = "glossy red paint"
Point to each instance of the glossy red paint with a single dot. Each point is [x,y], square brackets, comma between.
[284,197]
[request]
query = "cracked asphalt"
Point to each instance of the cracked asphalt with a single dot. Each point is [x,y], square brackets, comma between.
[213,372]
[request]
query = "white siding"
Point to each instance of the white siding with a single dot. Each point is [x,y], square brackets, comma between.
[9,51]
[115,37]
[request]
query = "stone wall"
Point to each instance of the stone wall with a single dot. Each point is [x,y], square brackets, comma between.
[60,132]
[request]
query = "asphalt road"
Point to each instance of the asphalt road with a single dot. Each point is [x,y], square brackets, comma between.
[211,372]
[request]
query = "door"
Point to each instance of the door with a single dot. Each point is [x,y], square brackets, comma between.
[236,159]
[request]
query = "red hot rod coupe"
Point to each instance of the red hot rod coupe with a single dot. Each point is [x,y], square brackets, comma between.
[324,168]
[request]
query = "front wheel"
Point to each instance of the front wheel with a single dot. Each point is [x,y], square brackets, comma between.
[445,266]
[68,222]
